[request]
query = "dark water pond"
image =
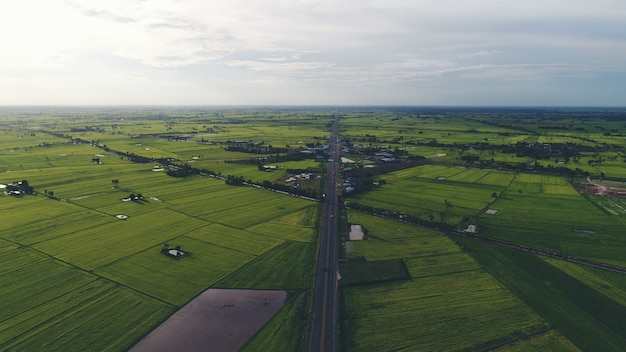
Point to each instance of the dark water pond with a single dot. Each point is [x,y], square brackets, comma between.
[217,321]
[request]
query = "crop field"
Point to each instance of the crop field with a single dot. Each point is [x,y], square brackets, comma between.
[460,194]
[52,306]
[473,312]
[546,212]
[68,246]
[574,302]
[175,281]
[78,274]
[612,206]
[285,266]
[235,239]
[271,207]
[101,245]
[278,334]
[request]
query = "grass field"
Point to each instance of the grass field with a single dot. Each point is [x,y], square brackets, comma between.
[480,312]
[77,278]
[588,317]
[546,212]
[72,248]
[57,307]
[437,192]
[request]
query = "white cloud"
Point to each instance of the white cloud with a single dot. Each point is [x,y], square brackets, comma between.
[217,48]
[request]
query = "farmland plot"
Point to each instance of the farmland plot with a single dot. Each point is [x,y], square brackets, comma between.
[52,306]
[172,280]
[101,245]
[235,239]
[29,210]
[473,312]
[223,199]
[441,199]
[294,233]
[546,212]
[57,226]
[286,266]
[572,303]
[270,206]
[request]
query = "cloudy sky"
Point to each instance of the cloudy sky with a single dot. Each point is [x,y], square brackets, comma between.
[318,52]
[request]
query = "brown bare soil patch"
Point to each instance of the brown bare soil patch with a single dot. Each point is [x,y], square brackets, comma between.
[217,320]
[598,189]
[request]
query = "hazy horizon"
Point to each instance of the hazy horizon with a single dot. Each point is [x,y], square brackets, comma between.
[500,53]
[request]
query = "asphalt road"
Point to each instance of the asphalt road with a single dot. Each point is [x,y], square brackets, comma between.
[323,331]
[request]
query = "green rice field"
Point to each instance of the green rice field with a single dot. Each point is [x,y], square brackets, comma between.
[83,269]
[78,278]
[473,312]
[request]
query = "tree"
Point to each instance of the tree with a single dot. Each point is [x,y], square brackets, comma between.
[494,195]
[115,182]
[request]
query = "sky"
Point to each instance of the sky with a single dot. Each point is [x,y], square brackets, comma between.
[313,52]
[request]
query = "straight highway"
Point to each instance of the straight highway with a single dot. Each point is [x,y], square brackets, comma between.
[323,327]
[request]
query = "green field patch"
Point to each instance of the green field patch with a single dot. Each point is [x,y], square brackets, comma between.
[424,171]
[58,226]
[558,189]
[611,206]
[388,240]
[51,306]
[285,232]
[176,280]
[591,278]
[19,258]
[306,217]
[556,222]
[441,264]
[469,175]
[7,246]
[111,321]
[550,341]
[286,266]
[76,182]
[104,244]
[283,331]
[40,309]
[236,239]
[40,279]
[375,250]
[270,207]
[222,200]
[497,178]
[30,210]
[209,193]
[446,201]
[584,315]
[358,271]
[448,291]
[541,179]
[135,208]
[473,305]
